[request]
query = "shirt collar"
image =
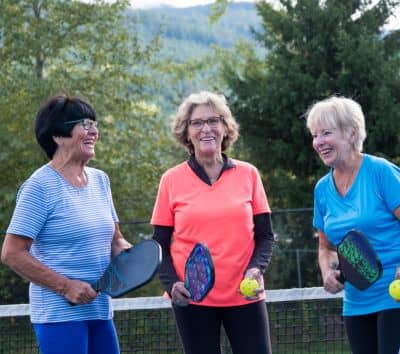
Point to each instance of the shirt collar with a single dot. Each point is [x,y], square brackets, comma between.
[199,171]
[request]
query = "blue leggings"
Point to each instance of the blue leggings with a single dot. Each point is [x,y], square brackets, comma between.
[77,337]
[246,326]
[376,333]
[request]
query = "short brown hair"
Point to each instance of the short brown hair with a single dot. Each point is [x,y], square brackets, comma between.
[218,104]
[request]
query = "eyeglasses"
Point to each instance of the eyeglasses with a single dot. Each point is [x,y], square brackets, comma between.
[86,123]
[212,122]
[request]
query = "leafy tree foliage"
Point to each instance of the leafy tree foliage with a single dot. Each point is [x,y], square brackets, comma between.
[314,49]
[48,46]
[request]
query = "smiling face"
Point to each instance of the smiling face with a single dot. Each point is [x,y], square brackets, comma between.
[206,139]
[333,146]
[80,146]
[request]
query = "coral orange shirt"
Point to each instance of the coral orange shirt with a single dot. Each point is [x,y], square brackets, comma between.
[219,215]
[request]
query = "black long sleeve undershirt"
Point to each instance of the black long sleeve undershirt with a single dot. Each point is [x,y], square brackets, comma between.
[166,272]
[263,239]
[264,242]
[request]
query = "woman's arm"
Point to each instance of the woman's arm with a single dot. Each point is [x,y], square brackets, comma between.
[263,245]
[397,213]
[263,242]
[168,277]
[15,254]
[167,273]
[118,243]
[328,263]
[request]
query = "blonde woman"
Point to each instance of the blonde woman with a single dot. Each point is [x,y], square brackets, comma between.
[361,192]
[213,199]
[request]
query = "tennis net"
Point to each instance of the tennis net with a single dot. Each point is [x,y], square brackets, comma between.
[302,320]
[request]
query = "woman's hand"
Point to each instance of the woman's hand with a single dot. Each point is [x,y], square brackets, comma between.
[179,294]
[255,273]
[78,292]
[331,281]
[393,287]
[397,274]
[328,263]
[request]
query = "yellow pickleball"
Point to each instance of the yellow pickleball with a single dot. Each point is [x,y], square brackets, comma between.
[247,286]
[394,289]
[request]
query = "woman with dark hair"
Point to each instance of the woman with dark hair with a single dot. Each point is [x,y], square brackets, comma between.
[63,232]
[216,200]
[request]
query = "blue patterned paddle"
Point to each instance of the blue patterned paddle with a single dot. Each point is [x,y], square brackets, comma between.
[199,272]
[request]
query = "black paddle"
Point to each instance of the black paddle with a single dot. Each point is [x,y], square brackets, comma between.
[130,270]
[358,261]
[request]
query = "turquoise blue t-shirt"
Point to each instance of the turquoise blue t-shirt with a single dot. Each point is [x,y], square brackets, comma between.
[72,229]
[368,206]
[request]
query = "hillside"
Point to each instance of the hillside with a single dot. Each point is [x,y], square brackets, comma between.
[188,33]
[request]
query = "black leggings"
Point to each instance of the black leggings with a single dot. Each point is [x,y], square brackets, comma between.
[375,333]
[246,326]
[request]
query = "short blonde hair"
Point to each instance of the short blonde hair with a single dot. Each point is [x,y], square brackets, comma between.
[218,104]
[339,112]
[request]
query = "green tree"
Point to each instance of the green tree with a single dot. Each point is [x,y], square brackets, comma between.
[48,46]
[313,49]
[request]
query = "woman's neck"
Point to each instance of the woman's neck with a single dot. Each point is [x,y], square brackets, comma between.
[345,174]
[349,164]
[210,161]
[73,172]
[212,166]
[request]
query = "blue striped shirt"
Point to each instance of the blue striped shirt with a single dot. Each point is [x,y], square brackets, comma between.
[72,229]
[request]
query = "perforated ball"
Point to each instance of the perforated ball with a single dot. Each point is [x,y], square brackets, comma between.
[394,289]
[247,287]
